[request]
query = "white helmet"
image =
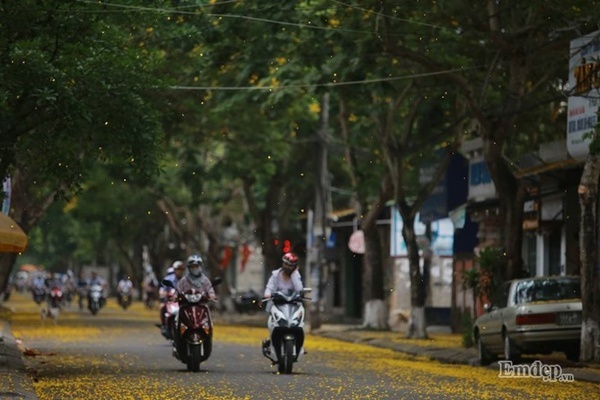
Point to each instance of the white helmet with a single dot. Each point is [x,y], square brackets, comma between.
[177,265]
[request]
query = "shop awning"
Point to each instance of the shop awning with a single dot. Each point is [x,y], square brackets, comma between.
[12,237]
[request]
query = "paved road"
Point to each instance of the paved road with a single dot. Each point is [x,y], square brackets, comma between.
[121,355]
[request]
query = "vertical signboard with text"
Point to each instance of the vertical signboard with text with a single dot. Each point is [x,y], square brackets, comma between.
[584,96]
[5,199]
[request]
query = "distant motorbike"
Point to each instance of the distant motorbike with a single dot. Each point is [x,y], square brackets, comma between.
[95,299]
[56,300]
[192,336]
[286,329]
[39,294]
[246,302]
[125,298]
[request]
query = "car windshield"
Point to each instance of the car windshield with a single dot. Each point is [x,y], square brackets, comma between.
[548,290]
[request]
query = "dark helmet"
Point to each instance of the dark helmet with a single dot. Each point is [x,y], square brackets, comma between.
[290,259]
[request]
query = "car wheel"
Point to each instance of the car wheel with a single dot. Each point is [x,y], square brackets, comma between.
[572,353]
[510,351]
[485,357]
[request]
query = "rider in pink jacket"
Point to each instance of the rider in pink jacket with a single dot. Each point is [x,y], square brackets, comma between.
[195,279]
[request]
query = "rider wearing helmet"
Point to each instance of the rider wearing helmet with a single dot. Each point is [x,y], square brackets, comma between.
[195,279]
[174,273]
[284,278]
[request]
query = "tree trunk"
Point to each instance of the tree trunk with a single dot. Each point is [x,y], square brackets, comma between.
[371,276]
[417,328]
[376,315]
[373,271]
[416,323]
[373,281]
[511,194]
[427,259]
[590,276]
[7,261]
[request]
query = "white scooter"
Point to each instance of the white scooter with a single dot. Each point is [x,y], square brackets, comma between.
[286,329]
[95,298]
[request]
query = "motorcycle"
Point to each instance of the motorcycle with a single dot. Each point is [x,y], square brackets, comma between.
[39,294]
[168,313]
[192,338]
[125,298]
[246,302]
[286,329]
[55,303]
[95,299]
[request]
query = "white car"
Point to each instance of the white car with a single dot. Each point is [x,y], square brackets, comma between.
[531,316]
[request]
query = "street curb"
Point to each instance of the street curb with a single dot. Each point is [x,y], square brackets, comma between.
[443,355]
[15,383]
[457,356]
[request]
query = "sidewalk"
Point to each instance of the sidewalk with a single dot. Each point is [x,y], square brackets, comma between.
[449,350]
[14,381]
[441,346]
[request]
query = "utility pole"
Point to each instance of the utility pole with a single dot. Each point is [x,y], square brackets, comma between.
[322,208]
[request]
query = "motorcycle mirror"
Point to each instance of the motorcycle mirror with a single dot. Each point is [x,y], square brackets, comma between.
[167,283]
[217,281]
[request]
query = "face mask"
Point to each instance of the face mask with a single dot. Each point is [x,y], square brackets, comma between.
[195,271]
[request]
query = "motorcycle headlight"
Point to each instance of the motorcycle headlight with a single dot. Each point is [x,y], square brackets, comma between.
[193,297]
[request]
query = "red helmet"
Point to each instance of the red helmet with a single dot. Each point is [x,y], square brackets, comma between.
[290,259]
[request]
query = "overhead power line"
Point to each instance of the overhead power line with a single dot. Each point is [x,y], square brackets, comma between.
[331,84]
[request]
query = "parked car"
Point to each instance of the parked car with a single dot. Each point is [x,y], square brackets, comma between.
[537,315]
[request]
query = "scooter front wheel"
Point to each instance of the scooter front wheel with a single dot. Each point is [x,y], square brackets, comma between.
[193,364]
[286,361]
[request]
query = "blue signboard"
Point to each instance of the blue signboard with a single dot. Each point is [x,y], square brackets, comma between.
[450,192]
[442,235]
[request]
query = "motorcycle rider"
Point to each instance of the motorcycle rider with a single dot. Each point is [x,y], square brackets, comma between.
[151,285]
[198,282]
[174,274]
[97,280]
[285,278]
[195,279]
[125,285]
[81,288]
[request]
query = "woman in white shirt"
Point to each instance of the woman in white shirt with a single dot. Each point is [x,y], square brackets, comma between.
[285,278]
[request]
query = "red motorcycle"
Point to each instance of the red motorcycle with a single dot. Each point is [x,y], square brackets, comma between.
[55,303]
[192,337]
[168,313]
